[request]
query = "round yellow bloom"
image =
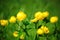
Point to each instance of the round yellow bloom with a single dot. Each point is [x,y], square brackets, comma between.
[0,21]
[3,22]
[34,20]
[22,37]
[39,15]
[45,14]
[53,19]
[15,34]
[46,30]
[40,31]
[21,16]
[12,19]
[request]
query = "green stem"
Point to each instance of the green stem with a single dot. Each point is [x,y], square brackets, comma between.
[36,38]
[56,31]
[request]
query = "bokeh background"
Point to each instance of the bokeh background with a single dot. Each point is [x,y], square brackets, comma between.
[12,7]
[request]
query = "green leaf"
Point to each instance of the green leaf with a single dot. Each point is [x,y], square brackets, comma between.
[26,22]
[40,22]
[58,36]
[51,27]
[21,25]
[30,26]
[27,38]
[42,38]
[32,34]
[52,37]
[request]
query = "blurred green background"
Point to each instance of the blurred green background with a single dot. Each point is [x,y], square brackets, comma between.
[12,7]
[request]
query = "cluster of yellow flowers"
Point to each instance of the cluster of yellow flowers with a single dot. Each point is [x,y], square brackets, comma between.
[42,15]
[15,34]
[43,30]
[38,16]
[4,22]
[20,16]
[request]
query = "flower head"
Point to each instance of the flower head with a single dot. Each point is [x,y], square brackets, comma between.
[12,19]
[53,19]
[15,34]
[34,20]
[46,30]
[3,22]
[39,15]
[42,27]
[22,37]
[21,16]
[45,14]
[40,31]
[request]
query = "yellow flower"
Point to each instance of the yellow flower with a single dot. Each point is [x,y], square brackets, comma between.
[15,34]
[0,21]
[21,16]
[42,27]
[39,15]
[53,19]
[4,22]
[45,14]
[34,20]
[40,31]
[22,37]
[46,30]
[12,19]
